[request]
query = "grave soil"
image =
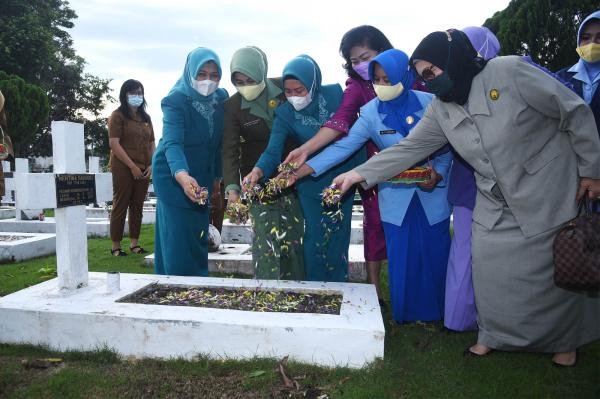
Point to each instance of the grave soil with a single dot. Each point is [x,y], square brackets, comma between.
[255,299]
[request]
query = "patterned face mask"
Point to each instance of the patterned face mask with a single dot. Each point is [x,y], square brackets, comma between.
[135,100]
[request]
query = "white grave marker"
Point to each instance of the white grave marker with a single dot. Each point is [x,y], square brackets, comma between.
[22,213]
[9,183]
[94,164]
[39,190]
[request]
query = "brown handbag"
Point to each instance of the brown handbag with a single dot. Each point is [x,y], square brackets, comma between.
[576,251]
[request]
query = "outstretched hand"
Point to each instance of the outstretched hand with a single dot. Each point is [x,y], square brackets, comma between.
[297,157]
[346,180]
[252,178]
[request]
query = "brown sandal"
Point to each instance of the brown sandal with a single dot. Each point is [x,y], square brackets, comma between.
[137,250]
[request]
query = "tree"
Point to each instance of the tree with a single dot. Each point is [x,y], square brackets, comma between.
[26,110]
[96,138]
[37,47]
[546,30]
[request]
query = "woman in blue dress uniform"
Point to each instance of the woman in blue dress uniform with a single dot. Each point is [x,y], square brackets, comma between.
[188,157]
[309,105]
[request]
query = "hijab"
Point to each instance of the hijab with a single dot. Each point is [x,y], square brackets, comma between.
[252,62]
[483,40]
[195,60]
[404,107]
[306,70]
[452,52]
[592,68]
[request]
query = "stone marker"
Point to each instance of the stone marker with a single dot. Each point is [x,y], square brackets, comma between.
[71,183]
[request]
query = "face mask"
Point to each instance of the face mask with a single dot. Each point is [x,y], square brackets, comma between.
[387,93]
[252,91]
[590,52]
[135,100]
[440,85]
[362,69]
[205,87]
[300,103]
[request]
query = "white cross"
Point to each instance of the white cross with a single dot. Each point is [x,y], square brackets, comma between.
[38,191]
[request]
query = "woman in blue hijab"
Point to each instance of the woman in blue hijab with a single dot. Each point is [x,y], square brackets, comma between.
[187,158]
[415,216]
[309,105]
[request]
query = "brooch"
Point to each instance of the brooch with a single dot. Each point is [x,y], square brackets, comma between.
[494,94]
[272,103]
[410,120]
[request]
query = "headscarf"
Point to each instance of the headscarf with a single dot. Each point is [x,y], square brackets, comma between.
[483,40]
[592,68]
[195,60]
[594,15]
[252,62]
[395,64]
[306,70]
[452,52]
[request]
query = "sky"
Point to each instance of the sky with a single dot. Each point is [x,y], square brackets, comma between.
[149,40]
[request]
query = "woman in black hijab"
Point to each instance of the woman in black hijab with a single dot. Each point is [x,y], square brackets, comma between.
[534,147]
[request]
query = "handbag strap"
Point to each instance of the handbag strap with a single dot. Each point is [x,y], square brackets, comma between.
[584,206]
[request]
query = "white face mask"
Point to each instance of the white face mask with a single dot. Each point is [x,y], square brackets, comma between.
[387,93]
[205,87]
[300,103]
[250,92]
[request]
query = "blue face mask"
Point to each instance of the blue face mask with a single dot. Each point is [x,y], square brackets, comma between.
[135,100]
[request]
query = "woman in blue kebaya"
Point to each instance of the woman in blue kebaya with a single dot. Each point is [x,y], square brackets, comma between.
[188,157]
[415,216]
[309,105]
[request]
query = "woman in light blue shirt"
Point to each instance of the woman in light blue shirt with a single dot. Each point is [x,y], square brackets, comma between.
[415,216]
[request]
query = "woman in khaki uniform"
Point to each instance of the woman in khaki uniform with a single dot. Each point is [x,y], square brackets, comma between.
[131,139]
[278,223]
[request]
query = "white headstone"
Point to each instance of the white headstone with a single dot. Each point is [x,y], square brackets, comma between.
[38,190]
[9,184]
[94,164]
[21,213]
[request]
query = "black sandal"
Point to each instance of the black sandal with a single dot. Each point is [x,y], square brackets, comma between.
[137,250]
[117,252]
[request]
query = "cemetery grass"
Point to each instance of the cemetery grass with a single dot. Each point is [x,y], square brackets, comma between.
[421,361]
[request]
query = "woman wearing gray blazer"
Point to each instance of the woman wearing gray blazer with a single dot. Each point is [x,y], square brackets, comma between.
[534,146]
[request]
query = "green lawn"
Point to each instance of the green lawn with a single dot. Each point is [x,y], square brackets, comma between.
[421,361]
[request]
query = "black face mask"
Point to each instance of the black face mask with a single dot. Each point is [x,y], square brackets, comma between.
[441,85]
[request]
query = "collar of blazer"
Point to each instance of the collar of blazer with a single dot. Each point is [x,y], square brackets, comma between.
[478,104]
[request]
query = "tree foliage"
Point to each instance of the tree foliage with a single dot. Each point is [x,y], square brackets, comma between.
[96,138]
[36,46]
[26,110]
[546,30]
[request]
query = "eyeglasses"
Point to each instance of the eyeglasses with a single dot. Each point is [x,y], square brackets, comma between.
[428,73]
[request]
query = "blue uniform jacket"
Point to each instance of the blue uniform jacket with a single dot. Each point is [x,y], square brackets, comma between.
[393,198]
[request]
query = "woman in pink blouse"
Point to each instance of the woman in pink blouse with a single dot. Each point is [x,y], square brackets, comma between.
[358,46]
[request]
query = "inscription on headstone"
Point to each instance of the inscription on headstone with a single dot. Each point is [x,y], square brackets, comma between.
[75,189]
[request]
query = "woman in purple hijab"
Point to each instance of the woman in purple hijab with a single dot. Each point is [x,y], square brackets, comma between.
[460,312]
